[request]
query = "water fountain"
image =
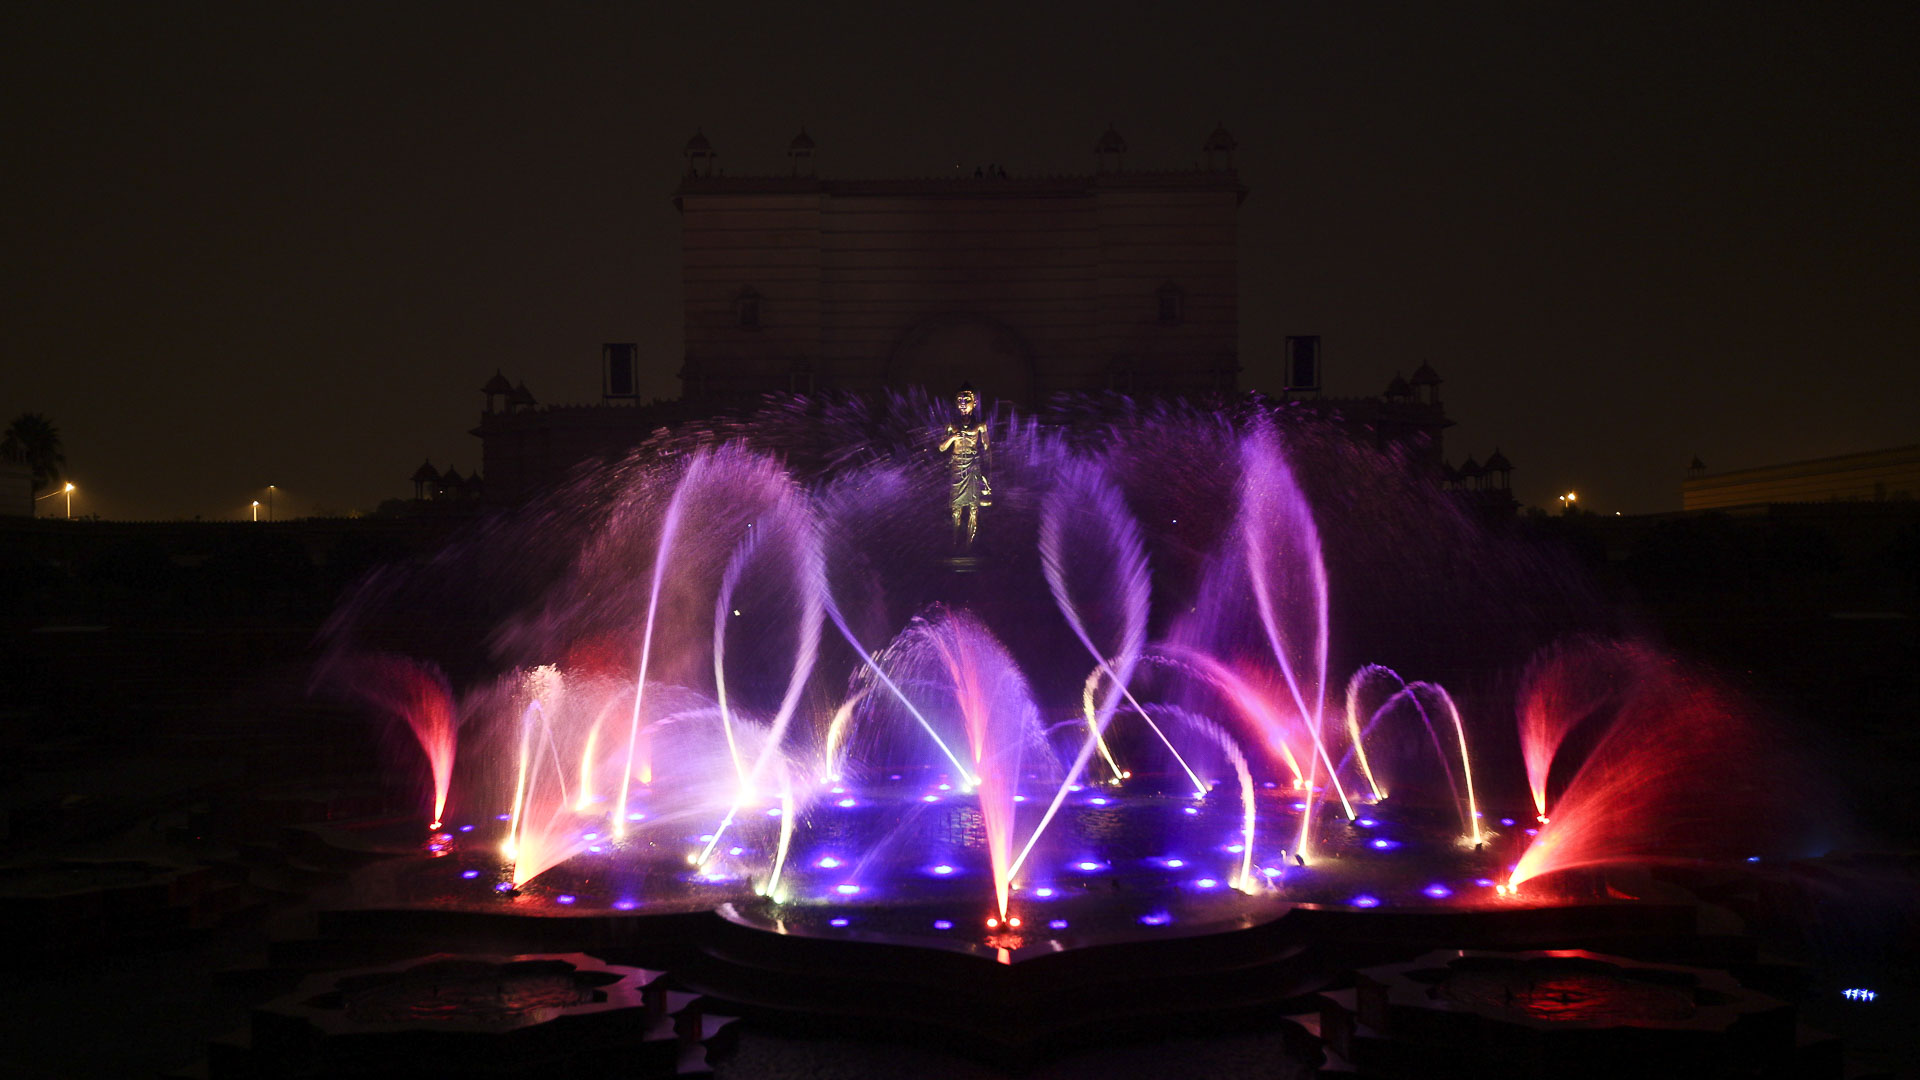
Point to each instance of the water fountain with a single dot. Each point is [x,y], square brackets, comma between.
[744,672]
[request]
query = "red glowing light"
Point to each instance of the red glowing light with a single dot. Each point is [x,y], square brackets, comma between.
[993,923]
[1013,923]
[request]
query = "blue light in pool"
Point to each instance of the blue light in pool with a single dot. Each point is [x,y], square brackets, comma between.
[1019,798]
[943,924]
[636,817]
[846,803]
[466,828]
[736,851]
[1043,892]
[1365,822]
[1057,924]
[946,787]
[1363,900]
[847,889]
[1155,918]
[1437,891]
[1299,806]
[503,817]
[1206,883]
[625,905]
[1270,871]
[827,862]
[929,798]
[1753,858]
[1096,802]
[595,848]
[1533,832]
[1176,863]
[1191,809]
[1089,866]
[706,838]
[590,836]
[775,812]
[1484,882]
[1236,848]
[1269,784]
[1385,844]
[469,874]
[565,898]
[836,922]
[504,886]
[1507,821]
[943,869]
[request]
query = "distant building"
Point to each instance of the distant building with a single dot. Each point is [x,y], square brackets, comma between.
[1026,286]
[1870,476]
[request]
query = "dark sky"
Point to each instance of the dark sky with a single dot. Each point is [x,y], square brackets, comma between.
[273,243]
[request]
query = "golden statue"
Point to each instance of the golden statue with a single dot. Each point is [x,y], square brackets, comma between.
[966,450]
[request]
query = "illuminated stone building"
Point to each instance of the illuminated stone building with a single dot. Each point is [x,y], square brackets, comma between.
[1023,285]
[1026,286]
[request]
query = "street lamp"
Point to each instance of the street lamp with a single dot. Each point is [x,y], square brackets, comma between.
[1567,501]
[256,509]
[270,491]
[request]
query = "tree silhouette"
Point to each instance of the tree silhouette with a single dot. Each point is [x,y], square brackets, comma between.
[33,441]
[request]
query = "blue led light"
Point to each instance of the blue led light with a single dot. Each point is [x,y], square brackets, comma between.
[1191,809]
[847,803]
[1057,924]
[836,922]
[846,890]
[827,862]
[625,905]
[469,874]
[1155,918]
[466,828]
[1507,821]
[1206,883]
[1437,891]
[1363,900]
[943,924]
[943,870]
[565,898]
[1384,844]
[1043,892]
[1089,866]
[503,817]
[1176,863]
[736,851]
[1858,994]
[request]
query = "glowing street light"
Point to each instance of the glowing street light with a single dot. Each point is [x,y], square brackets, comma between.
[270,490]
[256,509]
[69,500]
[1567,501]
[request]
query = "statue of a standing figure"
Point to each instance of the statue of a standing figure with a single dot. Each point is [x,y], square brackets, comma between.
[966,450]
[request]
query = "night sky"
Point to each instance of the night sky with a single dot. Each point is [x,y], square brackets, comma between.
[269,243]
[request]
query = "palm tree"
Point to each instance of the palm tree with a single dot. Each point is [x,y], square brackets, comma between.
[33,441]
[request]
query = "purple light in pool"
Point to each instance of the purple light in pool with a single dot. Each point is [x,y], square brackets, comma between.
[469,874]
[1268,785]
[625,905]
[1191,809]
[1176,863]
[1019,798]
[1155,918]
[943,924]
[1089,866]
[1206,883]
[1363,900]
[1507,821]
[836,922]
[929,798]
[736,851]
[503,817]
[1385,844]
[1057,924]
[946,787]
[1270,871]
[1299,806]
[1236,848]
[839,791]
[1097,802]
[706,838]
[1533,832]
[775,812]
[847,803]
[466,828]
[1484,882]
[895,776]
[943,869]
[1437,891]
[565,898]
[827,862]
[636,817]
[591,836]
[1043,892]
[847,889]
[595,848]
[1365,822]
[504,886]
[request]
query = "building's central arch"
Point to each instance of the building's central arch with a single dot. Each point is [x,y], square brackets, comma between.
[942,351]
